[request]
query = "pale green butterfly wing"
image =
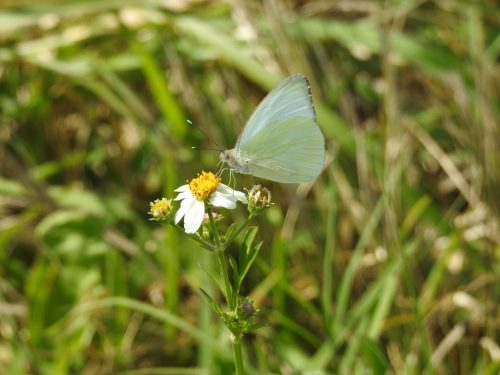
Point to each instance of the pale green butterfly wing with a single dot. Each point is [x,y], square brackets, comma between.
[281,141]
[289,99]
[288,151]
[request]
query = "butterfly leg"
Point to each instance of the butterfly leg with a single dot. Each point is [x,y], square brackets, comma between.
[232,178]
[220,165]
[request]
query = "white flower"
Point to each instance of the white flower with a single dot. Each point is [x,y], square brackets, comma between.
[205,188]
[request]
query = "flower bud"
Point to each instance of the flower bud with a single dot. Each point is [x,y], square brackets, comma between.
[160,208]
[258,198]
[246,308]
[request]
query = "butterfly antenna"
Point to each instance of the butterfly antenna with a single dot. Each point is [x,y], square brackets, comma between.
[204,149]
[206,136]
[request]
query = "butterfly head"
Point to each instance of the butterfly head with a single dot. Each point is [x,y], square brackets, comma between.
[228,157]
[234,162]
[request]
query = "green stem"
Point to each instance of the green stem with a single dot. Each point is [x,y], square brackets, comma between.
[225,276]
[221,259]
[231,299]
[238,359]
[195,237]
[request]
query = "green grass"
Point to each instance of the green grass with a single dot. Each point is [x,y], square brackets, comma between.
[388,263]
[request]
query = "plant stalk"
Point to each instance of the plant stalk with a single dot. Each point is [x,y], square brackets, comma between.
[219,249]
[238,359]
[230,298]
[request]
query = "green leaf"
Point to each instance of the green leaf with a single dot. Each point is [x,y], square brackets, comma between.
[250,237]
[256,326]
[373,356]
[11,187]
[226,49]
[229,231]
[215,305]
[216,279]
[233,264]
[248,262]
[247,244]
[248,253]
[170,108]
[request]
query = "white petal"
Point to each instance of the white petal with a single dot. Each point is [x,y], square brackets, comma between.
[226,190]
[183,195]
[182,188]
[194,217]
[242,197]
[223,200]
[186,205]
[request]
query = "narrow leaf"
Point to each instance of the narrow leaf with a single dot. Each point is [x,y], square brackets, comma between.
[249,260]
[247,245]
[215,305]
[215,278]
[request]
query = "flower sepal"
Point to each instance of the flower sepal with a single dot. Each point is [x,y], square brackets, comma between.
[242,320]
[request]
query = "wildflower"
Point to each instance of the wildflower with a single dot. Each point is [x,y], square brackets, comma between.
[206,188]
[258,198]
[160,208]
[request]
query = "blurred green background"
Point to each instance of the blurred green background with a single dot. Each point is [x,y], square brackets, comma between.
[387,264]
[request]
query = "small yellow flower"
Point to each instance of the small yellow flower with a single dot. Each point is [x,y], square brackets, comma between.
[160,208]
[204,188]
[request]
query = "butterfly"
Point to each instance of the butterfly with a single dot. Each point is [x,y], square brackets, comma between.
[281,141]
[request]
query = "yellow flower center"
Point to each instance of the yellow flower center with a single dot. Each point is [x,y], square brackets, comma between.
[204,185]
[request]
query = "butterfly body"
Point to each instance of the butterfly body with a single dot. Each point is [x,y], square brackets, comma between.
[281,141]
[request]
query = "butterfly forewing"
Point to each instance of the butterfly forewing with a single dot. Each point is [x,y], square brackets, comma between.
[281,141]
[289,99]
